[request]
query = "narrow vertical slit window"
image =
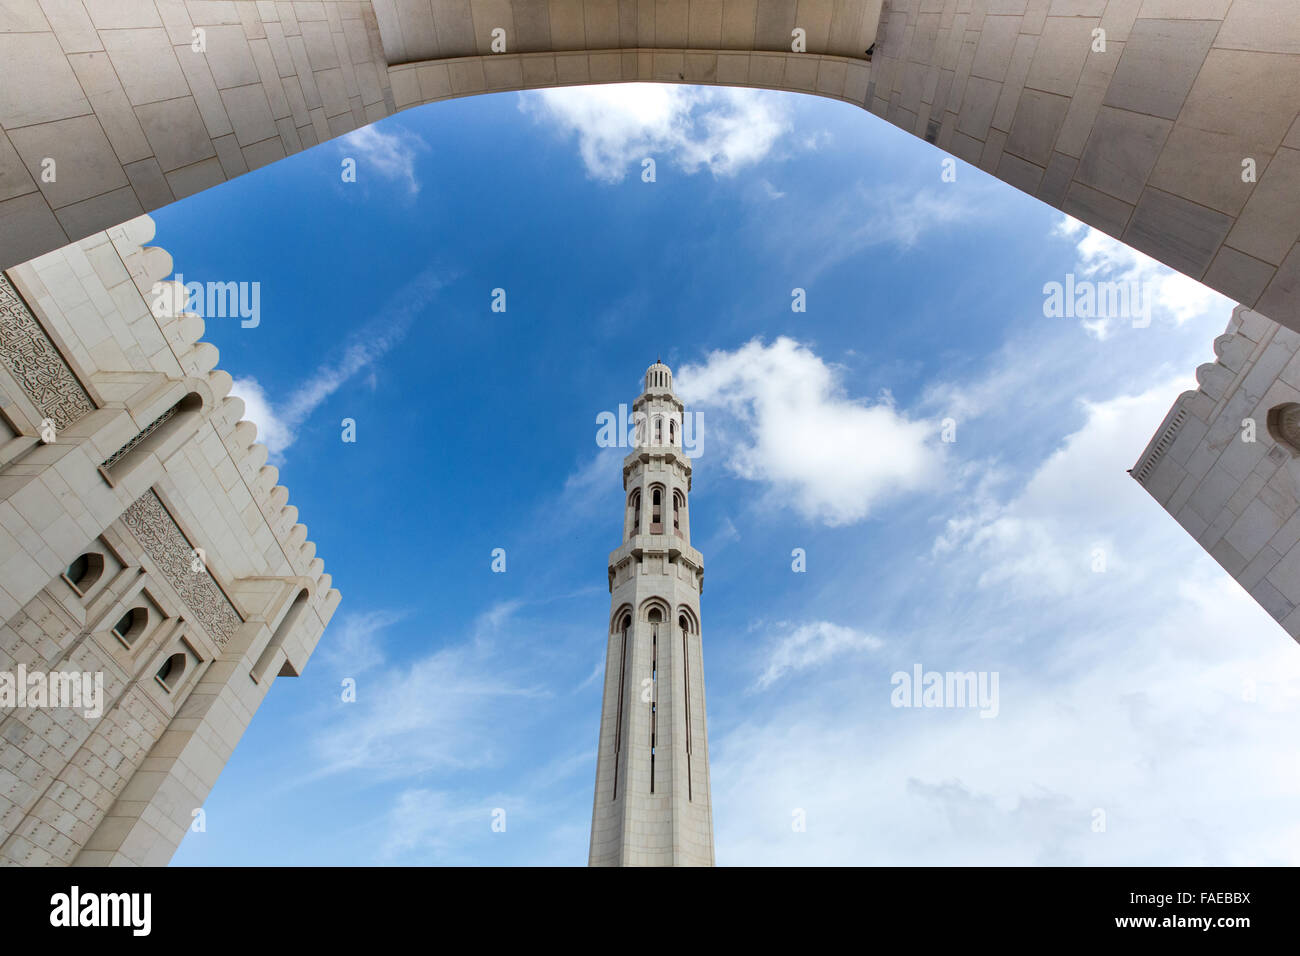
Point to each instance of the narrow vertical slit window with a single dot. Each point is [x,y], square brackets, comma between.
[618,722]
[655,618]
[686,691]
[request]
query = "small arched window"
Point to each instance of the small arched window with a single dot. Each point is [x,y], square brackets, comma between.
[656,512]
[1284,426]
[85,571]
[635,526]
[677,512]
[131,625]
[169,675]
[672,431]
[659,430]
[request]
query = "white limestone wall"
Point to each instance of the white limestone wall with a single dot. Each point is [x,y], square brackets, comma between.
[136,117]
[673,826]
[1144,138]
[1240,499]
[671,823]
[121,787]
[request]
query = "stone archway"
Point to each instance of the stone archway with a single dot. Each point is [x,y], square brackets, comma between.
[1168,124]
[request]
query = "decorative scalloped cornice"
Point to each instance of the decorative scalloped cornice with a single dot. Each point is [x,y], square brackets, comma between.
[151,264]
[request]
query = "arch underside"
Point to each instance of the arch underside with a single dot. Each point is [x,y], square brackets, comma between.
[1145,139]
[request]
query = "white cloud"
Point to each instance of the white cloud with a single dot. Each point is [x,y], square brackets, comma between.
[1079,505]
[272,430]
[1186,317]
[1157,693]
[1173,296]
[782,418]
[721,130]
[390,153]
[810,645]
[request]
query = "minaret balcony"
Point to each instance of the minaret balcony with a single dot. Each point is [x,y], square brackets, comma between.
[661,397]
[643,454]
[642,545]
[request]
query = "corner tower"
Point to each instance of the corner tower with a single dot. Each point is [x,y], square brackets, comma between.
[652,802]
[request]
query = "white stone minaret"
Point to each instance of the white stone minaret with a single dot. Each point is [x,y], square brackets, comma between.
[652,772]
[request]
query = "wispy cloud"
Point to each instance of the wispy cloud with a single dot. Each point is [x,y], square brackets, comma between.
[810,645]
[869,216]
[782,418]
[617,126]
[433,824]
[355,642]
[595,481]
[439,712]
[278,423]
[1075,509]
[391,152]
[1141,705]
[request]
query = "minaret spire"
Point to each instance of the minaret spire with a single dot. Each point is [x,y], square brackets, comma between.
[652,804]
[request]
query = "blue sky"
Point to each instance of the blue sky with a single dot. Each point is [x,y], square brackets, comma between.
[1155,691]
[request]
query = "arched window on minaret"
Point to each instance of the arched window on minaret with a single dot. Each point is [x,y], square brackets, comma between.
[684,623]
[634,509]
[659,429]
[656,511]
[677,513]
[623,627]
[655,617]
[672,431]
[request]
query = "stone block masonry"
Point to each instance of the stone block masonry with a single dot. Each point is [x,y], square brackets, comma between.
[143,539]
[1172,125]
[1225,461]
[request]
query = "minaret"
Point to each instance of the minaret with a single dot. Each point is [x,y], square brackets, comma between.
[652,772]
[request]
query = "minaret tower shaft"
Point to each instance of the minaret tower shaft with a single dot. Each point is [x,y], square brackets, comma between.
[652,803]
